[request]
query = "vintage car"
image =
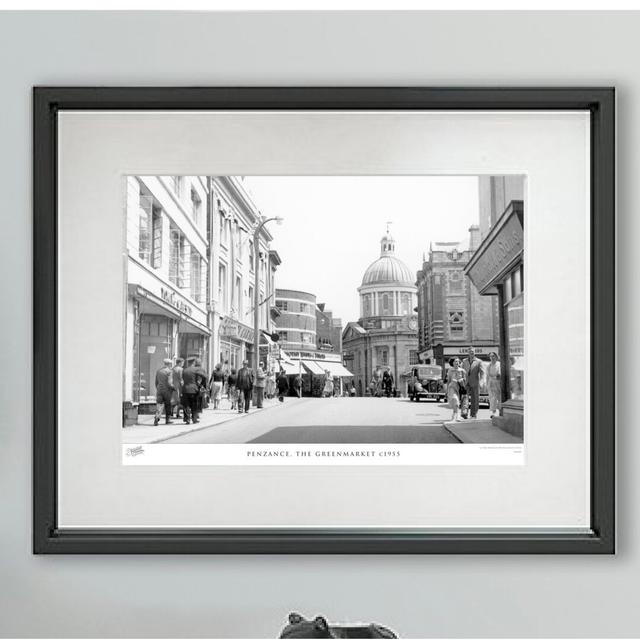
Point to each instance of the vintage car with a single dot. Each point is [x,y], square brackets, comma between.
[425,381]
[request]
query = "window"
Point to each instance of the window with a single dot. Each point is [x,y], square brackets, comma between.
[179,256]
[196,206]
[455,282]
[176,182]
[284,336]
[282,305]
[405,303]
[252,256]
[251,298]
[385,304]
[384,356]
[222,287]
[413,357]
[198,280]
[238,296]
[144,227]
[156,241]
[456,324]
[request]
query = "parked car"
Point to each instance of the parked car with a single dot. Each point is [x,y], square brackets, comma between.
[425,381]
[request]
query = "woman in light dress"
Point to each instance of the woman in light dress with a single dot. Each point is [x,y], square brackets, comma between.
[493,383]
[327,392]
[455,376]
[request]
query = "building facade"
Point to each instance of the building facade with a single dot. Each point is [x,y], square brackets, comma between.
[234,249]
[497,271]
[452,315]
[328,330]
[385,336]
[167,265]
[296,322]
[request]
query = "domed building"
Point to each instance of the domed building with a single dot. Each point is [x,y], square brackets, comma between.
[385,336]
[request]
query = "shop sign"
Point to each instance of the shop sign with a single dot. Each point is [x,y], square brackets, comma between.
[498,255]
[231,328]
[452,351]
[170,297]
[315,355]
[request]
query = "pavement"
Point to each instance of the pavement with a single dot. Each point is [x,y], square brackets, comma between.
[146,433]
[480,431]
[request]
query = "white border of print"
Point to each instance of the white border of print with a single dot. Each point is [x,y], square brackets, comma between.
[97,148]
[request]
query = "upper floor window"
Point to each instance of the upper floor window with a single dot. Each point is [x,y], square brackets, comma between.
[455,282]
[196,206]
[456,324]
[179,253]
[252,255]
[198,276]
[177,183]
[222,286]
[150,232]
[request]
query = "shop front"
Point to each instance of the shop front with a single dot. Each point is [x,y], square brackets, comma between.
[313,367]
[235,343]
[497,268]
[160,325]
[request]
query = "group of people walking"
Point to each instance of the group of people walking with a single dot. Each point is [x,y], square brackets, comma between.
[464,378]
[180,387]
[186,390]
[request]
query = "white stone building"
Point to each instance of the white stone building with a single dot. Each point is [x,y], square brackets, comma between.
[166,268]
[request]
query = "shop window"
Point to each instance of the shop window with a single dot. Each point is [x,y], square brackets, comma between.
[196,206]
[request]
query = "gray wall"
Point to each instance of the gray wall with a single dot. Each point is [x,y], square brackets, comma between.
[250,596]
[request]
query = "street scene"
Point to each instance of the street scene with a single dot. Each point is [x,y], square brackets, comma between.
[324,309]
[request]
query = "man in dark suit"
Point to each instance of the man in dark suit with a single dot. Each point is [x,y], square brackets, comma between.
[474,373]
[194,379]
[245,387]
[164,391]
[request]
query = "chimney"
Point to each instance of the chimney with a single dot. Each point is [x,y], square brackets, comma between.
[474,237]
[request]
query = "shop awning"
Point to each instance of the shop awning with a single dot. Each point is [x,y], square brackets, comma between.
[336,369]
[289,368]
[313,367]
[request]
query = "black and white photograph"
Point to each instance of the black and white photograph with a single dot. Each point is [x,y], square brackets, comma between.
[324,310]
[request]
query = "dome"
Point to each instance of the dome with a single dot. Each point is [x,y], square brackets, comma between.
[388,269]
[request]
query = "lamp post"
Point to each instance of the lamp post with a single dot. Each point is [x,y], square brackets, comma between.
[256,293]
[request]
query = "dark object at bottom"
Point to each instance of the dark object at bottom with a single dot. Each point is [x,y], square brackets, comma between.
[300,627]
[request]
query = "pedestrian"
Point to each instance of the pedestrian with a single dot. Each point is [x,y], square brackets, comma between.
[232,389]
[473,376]
[352,390]
[176,399]
[215,385]
[164,391]
[282,383]
[270,388]
[244,384]
[297,385]
[261,383]
[327,391]
[493,375]
[194,383]
[455,385]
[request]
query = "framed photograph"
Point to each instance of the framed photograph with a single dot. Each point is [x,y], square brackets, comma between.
[324,320]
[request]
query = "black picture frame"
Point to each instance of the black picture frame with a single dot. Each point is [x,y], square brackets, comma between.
[48,538]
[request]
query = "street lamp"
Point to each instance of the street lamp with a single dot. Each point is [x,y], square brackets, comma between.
[256,293]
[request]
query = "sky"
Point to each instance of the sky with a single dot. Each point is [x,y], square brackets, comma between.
[333,225]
